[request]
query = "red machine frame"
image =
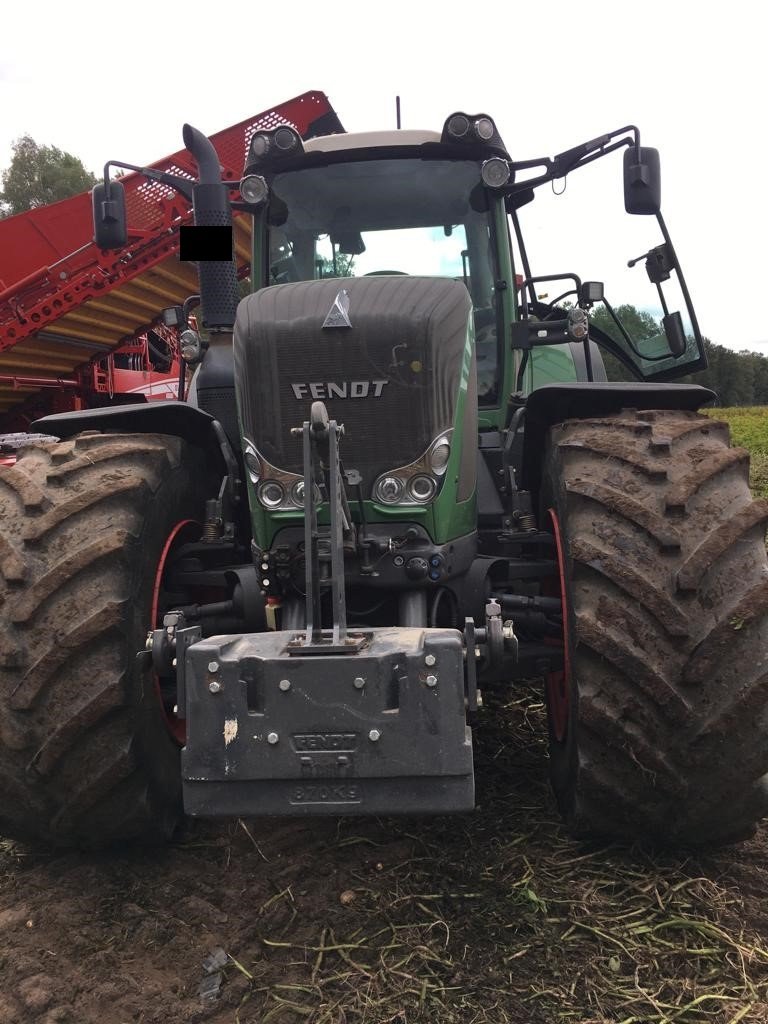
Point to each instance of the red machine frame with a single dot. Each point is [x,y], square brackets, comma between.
[49,266]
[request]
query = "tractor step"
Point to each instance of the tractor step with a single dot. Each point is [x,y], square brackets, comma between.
[380,731]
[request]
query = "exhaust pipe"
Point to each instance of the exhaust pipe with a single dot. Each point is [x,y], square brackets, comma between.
[210,200]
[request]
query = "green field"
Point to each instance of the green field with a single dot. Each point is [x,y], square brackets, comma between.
[749,429]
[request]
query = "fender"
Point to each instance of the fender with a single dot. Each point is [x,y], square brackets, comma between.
[178,419]
[555,403]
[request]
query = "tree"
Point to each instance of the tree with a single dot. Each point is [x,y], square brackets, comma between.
[344,266]
[39,175]
[638,324]
[738,378]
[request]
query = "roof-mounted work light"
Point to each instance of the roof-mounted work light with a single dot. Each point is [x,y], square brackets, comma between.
[471,129]
[269,146]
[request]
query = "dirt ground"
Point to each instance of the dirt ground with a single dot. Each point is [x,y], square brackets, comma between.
[494,917]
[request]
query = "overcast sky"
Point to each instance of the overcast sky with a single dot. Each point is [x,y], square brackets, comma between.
[117,81]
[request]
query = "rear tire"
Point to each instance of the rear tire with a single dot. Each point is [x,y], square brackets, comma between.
[86,757]
[667,583]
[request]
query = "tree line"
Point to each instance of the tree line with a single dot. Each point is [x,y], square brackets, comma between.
[737,378]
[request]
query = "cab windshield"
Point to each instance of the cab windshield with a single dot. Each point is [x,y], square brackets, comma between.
[396,216]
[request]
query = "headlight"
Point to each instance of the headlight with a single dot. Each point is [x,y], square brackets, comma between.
[254,467]
[439,456]
[422,488]
[388,490]
[254,189]
[270,493]
[190,346]
[458,126]
[297,494]
[484,128]
[286,139]
[495,172]
[260,146]
[578,323]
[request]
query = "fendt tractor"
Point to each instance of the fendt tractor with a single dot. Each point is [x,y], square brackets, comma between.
[399,478]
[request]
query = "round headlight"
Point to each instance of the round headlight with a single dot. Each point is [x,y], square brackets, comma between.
[458,126]
[439,456]
[484,128]
[254,467]
[190,346]
[254,189]
[422,488]
[259,145]
[388,490]
[495,172]
[270,493]
[297,493]
[286,139]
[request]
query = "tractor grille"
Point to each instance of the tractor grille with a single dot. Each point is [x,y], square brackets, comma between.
[398,367]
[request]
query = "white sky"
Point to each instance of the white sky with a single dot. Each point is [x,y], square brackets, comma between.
[117,81]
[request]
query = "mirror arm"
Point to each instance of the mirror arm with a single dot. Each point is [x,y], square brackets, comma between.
[572,159]
[181,185]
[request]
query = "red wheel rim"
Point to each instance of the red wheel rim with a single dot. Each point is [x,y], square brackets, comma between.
[176,726]
[558,684]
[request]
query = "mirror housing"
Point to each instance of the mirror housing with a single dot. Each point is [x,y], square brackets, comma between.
[675,335]
[109,217]
[642,181]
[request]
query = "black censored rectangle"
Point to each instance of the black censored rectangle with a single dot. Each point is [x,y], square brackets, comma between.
[204,244]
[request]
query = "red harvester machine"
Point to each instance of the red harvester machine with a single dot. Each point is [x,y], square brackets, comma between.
[80,327]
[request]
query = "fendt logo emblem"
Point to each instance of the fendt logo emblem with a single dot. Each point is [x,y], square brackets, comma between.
[346,389]
[338,314]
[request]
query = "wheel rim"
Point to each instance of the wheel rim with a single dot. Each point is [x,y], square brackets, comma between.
[558,683]
[182,532]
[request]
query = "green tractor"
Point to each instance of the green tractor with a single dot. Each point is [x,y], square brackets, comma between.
[400,477]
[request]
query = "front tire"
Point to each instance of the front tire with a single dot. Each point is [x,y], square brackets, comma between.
[86,755]
[666,576]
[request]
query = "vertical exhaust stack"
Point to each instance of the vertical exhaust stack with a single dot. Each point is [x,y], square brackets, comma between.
[218,288]
[210,198]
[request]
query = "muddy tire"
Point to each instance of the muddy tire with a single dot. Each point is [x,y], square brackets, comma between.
[666,716]
[86,757]
[14,442]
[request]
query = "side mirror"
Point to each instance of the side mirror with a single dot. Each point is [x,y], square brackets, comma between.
[642,181]
[109,217]
[673,329]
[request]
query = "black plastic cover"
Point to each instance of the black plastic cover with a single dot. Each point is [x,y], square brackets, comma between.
[642,181]
[174,418]
[109,216]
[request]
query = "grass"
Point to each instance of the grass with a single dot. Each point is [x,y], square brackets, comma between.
[749,429]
